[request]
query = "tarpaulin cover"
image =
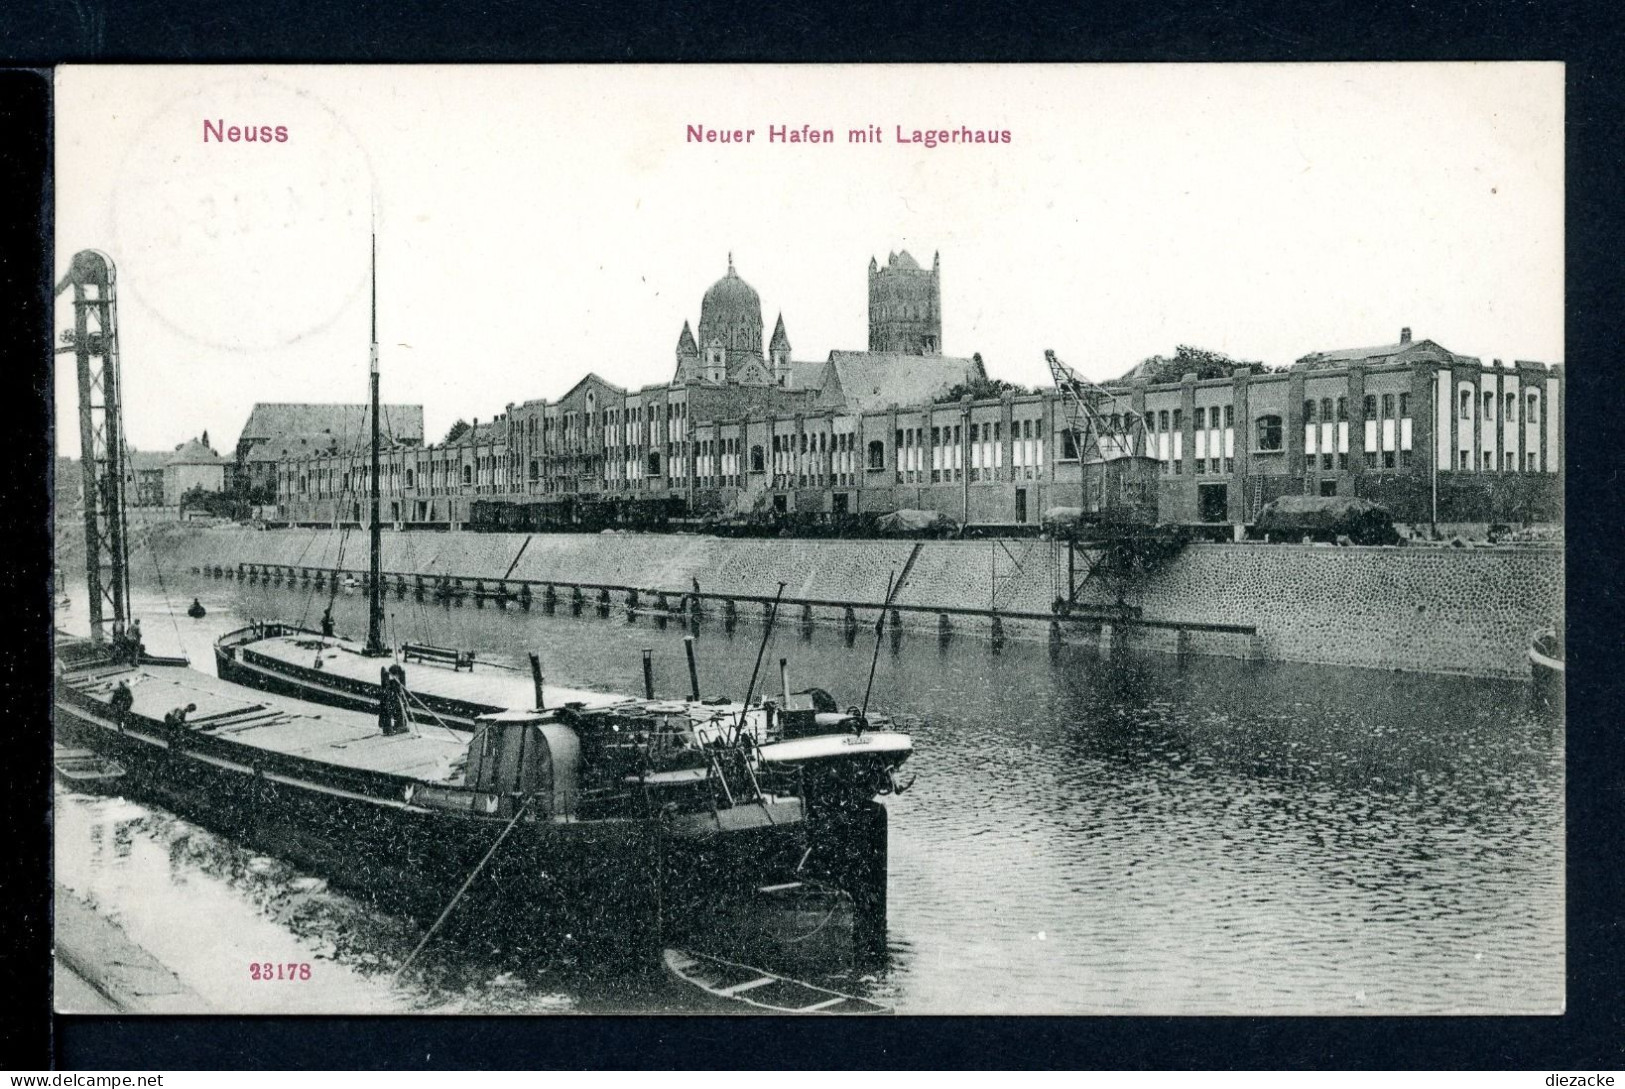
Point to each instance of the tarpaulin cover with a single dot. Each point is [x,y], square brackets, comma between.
[913,521]
[1360,520]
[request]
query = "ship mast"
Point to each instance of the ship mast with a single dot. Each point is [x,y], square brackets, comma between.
[375,599]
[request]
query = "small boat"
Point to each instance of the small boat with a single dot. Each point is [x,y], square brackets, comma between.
[86,770]
[196,610]
[763,991]
[1546,667]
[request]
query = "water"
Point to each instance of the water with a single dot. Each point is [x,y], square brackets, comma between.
[1134,836]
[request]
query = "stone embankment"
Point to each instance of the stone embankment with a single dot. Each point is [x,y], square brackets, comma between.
[100,970]
[1416,608]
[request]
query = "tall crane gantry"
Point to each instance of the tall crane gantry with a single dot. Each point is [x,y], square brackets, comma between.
[94,342]
[1116,533]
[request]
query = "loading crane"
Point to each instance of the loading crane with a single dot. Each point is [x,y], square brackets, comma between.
[93,340]
[1115,533]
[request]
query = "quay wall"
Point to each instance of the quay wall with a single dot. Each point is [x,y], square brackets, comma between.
[1416,608]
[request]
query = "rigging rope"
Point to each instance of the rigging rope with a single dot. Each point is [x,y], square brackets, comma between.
[169,606]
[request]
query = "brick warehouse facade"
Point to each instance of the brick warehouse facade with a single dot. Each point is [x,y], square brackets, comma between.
[1431,435]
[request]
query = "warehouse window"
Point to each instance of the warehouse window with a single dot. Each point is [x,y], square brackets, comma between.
[1269,433]
[877,454]
[756,460]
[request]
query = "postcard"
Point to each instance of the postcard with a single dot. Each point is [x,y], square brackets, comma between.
[830,540]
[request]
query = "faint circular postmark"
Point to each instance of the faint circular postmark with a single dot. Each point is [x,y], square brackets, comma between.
[238,243]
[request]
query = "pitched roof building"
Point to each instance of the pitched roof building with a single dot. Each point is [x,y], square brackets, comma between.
[277,431]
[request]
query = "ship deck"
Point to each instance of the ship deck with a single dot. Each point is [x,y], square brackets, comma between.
[280,725]
[486,684]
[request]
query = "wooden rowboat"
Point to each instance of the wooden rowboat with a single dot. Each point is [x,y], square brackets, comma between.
[761,990]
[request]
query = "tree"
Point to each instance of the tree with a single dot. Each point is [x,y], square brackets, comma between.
[458,430]
[1187,359]
[982,389]
[216,504]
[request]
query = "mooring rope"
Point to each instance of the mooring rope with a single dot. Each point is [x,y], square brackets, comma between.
[462,891]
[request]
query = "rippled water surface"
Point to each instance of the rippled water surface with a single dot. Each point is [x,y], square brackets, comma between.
[1138,835]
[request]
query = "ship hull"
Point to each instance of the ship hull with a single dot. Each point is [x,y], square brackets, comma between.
[614,885]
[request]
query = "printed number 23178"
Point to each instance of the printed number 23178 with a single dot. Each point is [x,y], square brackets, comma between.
[285,970]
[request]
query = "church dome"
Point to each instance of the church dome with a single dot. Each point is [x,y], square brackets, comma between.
[731,314]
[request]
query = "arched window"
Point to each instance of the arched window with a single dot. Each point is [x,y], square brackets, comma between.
[1371,406]
[877,454]
[1309,412]
[1269,433]
[411,478]
[756,459]
[1325,410]
[468,474]
[1512,408]
[1466,404]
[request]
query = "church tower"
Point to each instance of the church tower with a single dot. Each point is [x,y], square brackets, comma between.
[688,357]
[905,306]
[778,349]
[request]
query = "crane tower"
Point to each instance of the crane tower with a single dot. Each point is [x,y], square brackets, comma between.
[94,342]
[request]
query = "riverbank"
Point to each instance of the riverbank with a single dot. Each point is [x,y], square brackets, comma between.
[1415,608]
[100,970]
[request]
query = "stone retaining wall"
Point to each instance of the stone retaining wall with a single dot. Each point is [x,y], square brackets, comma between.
[1413,608]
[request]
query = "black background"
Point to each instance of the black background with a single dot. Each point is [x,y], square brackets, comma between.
[1586,37]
